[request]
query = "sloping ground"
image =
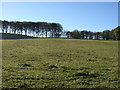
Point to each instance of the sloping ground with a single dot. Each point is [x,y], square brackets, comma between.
[13,36]
[60,63]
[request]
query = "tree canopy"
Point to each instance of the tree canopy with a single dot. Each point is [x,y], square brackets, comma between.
[36,29]
[55,30]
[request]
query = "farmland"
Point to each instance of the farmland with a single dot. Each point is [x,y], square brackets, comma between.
[59,63]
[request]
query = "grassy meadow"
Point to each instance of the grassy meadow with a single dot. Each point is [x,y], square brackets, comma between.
[59,63]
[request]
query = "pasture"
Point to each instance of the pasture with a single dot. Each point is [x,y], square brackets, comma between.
[59,63]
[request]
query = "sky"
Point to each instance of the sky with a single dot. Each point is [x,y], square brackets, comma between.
[93,16]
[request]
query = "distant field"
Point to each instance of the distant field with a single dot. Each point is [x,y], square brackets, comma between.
[14,36]
[60,63]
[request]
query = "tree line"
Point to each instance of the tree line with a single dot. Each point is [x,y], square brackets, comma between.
[55,30]
[113,34]
[35,29]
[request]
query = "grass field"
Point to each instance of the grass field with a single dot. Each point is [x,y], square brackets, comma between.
[60,63]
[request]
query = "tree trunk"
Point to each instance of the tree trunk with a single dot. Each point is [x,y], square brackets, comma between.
[6,31]
[21,32]
[46,33]
[2,30]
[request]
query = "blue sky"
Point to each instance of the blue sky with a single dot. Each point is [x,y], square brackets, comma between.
[94,16]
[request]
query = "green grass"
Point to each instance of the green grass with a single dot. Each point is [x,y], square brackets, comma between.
[60,63]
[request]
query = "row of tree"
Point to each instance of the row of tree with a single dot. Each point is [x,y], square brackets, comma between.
[44,29]
[105,35]
[36,29]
